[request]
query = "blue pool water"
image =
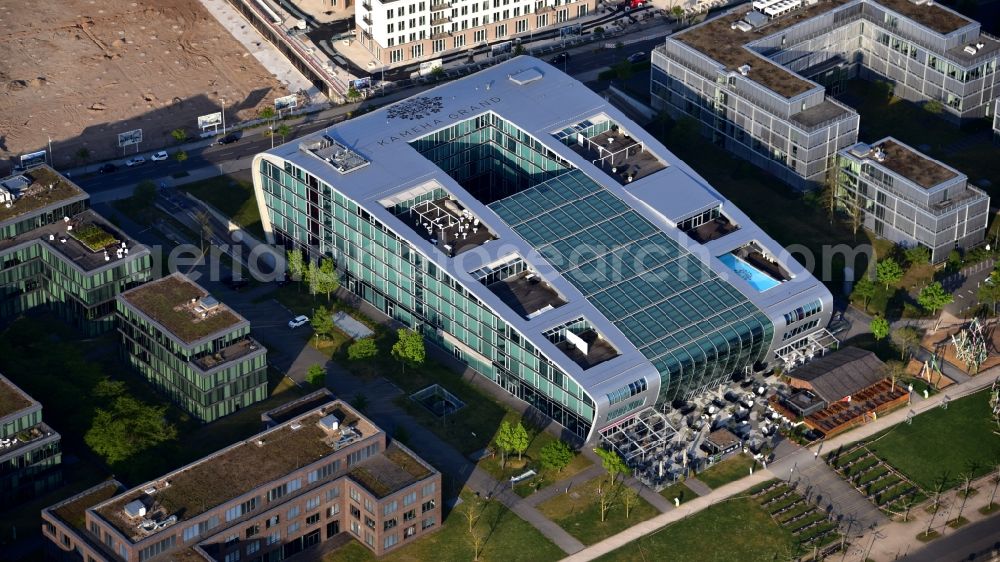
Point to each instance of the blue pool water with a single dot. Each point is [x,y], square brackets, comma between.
[757,278]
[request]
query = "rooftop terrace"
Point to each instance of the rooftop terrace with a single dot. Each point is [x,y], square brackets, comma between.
[386,474]
[91,243]
[39,188]
[598,349]
[236,350]
[913,165]
[168,301]
[446,224]
[616,152]
[11,398]
[526,293]
[264,458]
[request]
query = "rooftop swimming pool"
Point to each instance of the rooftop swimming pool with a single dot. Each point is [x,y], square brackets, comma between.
[757,278]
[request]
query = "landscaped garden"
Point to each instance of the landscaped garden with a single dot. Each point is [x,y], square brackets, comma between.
[678,491]
[727,471]
[233,196]
[578,512]
[502,537]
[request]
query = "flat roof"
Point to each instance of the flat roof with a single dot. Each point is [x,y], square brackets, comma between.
[43,187]
[631,219]
[912,165]
[526,293]
[389,472]
[168,302]
[720,41]
[12,398]
[73,511]
[238,469]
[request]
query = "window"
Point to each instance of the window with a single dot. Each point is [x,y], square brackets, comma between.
[253,547]
[408,499]
[428,489]
[332,494]
[369,522]
[356,528]
[293,528]
[312,519]
[274,537]
[427,523]
[391,540]
[286,488]
[252,530]
[331,468]
[333,510]
[427,506]
[479,36]
[238,511]
[355,495]
[416,51]
[312,503]
[388,524]
[272,521]
[232,539]
[409,532]
[501,31]
[158,548]
[627,391]
[438,45]
[369,506]
[355,512]
[410,515]
[458,41]
[521,26]
[293,512]
[395,55]
[390,507]
[233,556]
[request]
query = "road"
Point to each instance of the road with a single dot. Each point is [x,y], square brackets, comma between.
[978,541]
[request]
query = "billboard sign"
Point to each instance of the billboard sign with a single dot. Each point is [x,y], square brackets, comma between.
[129,138]
[569,30]
[210,120]
[362,83]
[33,159]
[429,66]
[287,102]
[499,49]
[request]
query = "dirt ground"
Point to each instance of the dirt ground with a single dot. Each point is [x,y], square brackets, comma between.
[82,71]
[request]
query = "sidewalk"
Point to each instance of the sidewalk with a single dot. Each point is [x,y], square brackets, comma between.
[779,469]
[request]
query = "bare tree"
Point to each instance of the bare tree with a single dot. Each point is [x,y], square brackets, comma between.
[605,497]
[996,484]
[630,499]
[966,491]
[472,510]
[204,221]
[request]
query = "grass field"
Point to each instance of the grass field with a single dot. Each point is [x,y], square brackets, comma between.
[738,529]
[680,491]
[510,539]
[727,471]
[579,514]
[232,196]
[943,443]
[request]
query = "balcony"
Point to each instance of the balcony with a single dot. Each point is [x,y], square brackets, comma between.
[367,5]
[437,6]
[367,19]
[440,20]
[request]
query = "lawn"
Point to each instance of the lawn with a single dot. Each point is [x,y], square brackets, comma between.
[510,539]
[738,529]
[579,513]
[233,196]
[678,490]
[943,442]
[727,471]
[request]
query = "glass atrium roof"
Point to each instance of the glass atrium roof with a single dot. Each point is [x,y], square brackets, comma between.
[671,306]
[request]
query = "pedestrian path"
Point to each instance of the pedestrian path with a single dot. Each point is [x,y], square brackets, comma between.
[697,486]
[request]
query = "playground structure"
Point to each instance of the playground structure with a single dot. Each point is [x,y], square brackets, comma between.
[970,346]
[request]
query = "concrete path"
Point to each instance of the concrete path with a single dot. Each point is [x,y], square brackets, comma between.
[698,487]
[565,485]
[779,469]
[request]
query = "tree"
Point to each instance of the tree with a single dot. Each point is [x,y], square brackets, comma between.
[180,135]
[989,290]
[630,499]
[598,30]
[472,510]
[678,13]
[362,349]
[316,375]
[322,322]
[409,348]
[865,289]
[967,481]
[296,264]
[504,440]
[933,298]
[204,221]
[895,370]
[996,483]
[880,328]
[612,463]
[83,154]
[918,255]
[519,439]
[829,195]
[145,194]
[353,95]
[888,271]
[127,428]
[906,339]
[283,131]
[555,456]
[266,112]
[360,401]
[623,70]
[108,390]
[181,155]
[604,499]
[323,278]
[518,50]
[933,106]
[437,73]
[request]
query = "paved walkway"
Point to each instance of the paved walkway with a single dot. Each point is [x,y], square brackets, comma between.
[783,469]
[697,486]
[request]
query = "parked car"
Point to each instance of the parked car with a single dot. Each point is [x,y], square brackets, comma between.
[135,161]
[637,57]
[298,321]
[229,139]
[159,156]
[560,58]
[235,284]
[107,168]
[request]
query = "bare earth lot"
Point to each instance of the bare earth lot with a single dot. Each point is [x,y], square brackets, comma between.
[82,71]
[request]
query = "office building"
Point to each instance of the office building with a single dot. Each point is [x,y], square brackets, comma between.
[911,199]
[29,450]
[758,77]
[518,220]
[406,31]
[192,347]
[325,474]
[57,254]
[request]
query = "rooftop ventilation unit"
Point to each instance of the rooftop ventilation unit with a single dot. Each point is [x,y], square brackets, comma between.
[971,49]
[526,76]
[135,509]
[296,425]
[741,25]
[343,159]
[150,491]
[745,69]
[330,422]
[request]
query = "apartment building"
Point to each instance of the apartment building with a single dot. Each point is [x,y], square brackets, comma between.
[758,77]
[30,453]
[905,196]
[406,31]
[192,347]
[326,474]
[57,254]
[521,222]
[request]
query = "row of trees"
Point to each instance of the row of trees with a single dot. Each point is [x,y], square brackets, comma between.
[320,276]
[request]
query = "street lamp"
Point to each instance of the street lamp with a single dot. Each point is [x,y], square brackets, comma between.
[271,129]
[52,158]
[223,101]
